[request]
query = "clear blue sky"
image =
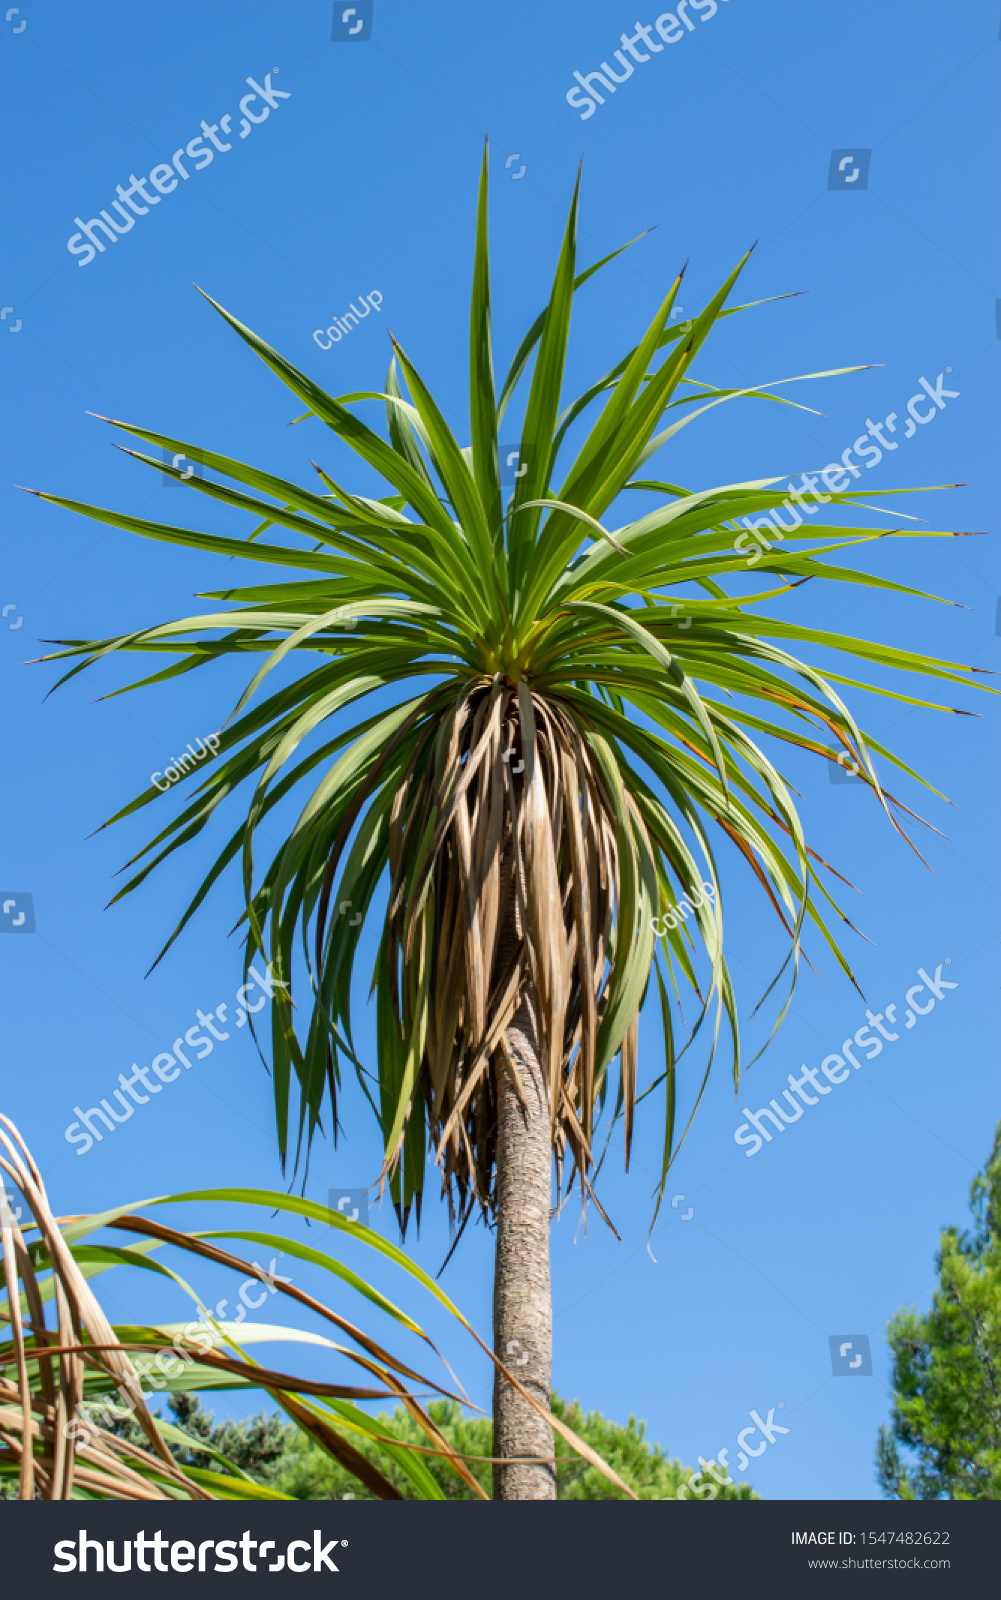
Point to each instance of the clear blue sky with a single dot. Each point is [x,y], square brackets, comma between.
[363,180]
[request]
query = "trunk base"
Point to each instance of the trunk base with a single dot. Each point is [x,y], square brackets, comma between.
[522,1292]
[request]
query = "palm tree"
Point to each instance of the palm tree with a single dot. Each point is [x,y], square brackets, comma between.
[531,810]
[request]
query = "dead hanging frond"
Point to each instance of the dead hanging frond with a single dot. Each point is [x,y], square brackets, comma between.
[40,1408]
[74,1384]
[506,846]
[66,1389]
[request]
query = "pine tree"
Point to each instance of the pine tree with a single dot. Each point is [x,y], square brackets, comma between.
[947,1367]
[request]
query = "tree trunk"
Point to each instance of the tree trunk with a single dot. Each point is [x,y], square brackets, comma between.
[523,1314]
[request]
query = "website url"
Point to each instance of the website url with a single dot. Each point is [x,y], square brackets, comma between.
[868,1563]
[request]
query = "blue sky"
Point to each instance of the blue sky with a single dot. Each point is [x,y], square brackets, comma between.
[362,181]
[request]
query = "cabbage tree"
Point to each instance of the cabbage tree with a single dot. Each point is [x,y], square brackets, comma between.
[586,702]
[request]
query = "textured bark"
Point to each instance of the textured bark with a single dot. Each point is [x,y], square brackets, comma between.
[523,1315]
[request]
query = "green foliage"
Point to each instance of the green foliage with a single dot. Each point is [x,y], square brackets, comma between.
[255,1445]
[947,1367]
[283,1457]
